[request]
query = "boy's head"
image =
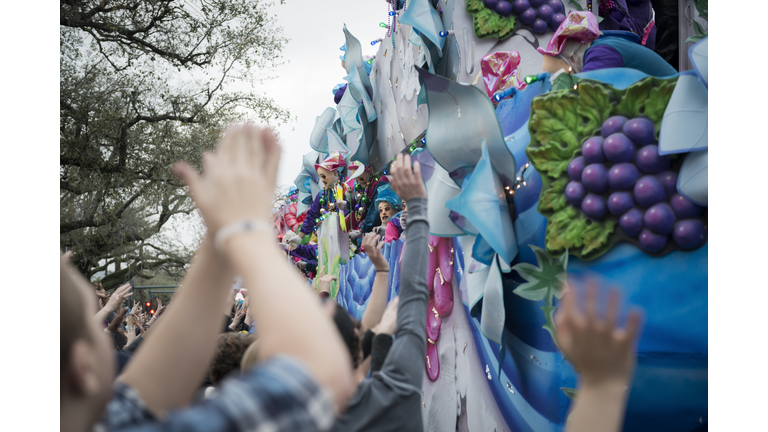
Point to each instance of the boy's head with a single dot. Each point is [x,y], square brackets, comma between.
[86,360]
[230,349]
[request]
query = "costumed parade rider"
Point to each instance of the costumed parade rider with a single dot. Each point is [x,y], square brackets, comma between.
[331,197]
[304,257]
[389,207]
[366,191]
[578,46]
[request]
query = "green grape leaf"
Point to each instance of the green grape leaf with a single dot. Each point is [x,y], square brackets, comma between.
[560,122]
[696,38]
[564,230]
[595,104]
[657,102]
[487,23]
[553,199]
[596,235]
[634,98]
[475,6]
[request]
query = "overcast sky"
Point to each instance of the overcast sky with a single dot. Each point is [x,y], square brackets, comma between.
[304,84]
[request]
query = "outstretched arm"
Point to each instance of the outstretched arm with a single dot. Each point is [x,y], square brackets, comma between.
[174,357]
[378,300]
[405,362]
[604,356]
[237,186]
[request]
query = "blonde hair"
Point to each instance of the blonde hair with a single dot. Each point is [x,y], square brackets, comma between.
[250,357]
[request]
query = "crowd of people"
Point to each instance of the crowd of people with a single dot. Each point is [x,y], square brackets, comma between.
[285,358]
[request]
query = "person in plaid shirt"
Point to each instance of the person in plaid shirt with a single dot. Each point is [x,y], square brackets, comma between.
[306,374]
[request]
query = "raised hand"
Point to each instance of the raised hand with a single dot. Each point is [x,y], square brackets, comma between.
[388,323]
[406,181]
[372,247]
[136,308]
[324,283]
[100,293]
[238,180]
[160,307]
[600,351]
[117,298]
[238,318]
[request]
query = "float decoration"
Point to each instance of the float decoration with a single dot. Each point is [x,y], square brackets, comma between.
[487,23]
[497,18]
[460,118]
[500,71]
[572,133]
[424,18]
[483,201]
[545,281]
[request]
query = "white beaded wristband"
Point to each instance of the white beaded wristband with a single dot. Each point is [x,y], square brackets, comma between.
[240,226]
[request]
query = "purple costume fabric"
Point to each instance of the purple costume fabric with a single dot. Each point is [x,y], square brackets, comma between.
[314,213]
[306,253]
[339,94]
[613,51]
[633,16]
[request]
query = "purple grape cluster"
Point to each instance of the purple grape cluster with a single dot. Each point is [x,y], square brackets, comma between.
[622,173]
[540,15]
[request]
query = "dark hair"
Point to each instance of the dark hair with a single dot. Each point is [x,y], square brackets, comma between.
[229,352]
[347,326]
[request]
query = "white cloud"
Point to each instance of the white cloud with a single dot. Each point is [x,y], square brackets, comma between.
[313,68]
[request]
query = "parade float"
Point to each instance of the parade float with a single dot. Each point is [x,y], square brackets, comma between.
[534,178]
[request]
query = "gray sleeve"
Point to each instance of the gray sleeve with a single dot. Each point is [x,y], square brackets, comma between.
[405,361]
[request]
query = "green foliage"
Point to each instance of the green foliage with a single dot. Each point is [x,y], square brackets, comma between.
[560,122]
[488,23]
[576,5]
[545,281]
[143,85]
[702,7]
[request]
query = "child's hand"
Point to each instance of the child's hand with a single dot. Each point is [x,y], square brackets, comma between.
[601,352]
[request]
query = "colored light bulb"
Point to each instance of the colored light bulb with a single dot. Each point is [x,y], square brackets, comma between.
[531,79]
[391,13]
[443,33]
[382,25]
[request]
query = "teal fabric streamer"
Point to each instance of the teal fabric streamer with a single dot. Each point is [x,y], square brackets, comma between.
[423,17]
[483,201]
[460,118]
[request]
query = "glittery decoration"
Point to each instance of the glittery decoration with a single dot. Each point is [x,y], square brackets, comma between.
[581,26]
[499,71]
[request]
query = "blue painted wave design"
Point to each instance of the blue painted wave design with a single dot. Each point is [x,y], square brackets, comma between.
[356,279]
